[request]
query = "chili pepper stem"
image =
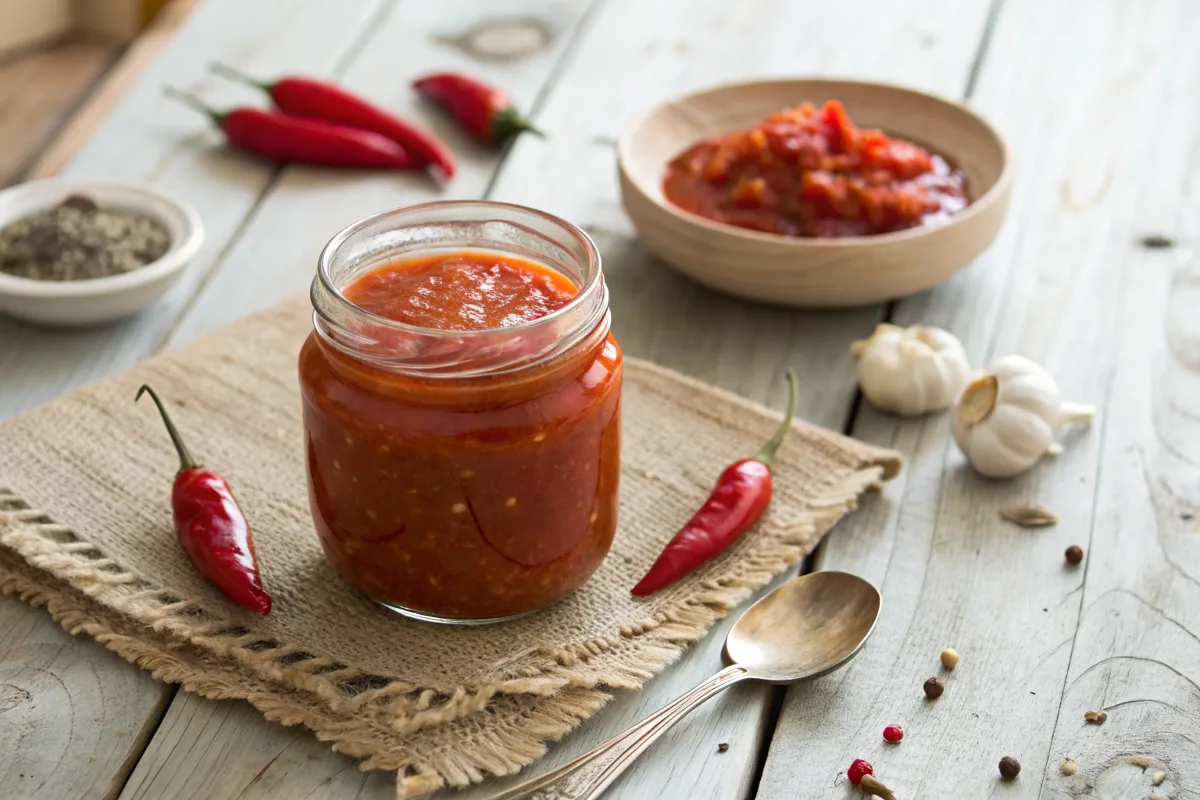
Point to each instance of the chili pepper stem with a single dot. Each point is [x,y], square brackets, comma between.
[767,454]
[195,102]
[186,461]
[509,123]
[226,71]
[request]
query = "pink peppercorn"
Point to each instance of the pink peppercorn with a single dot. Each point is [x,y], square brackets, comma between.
[857,770]
[893,733]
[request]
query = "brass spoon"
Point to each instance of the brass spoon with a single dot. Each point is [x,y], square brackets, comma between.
[806,628]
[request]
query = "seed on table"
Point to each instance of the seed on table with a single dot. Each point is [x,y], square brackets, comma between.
[893,733]
[1009,768]
[1156,241]
[1141,761]
[1029,517]
[1157,778]
[722,747]
[934,688]
[1067,766]
[1097,717]
[1074,554]
[949,658]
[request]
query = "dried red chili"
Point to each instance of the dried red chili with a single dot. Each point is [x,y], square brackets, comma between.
[315,99]
[487,113]
[741,495]
[211,526]
[282,137]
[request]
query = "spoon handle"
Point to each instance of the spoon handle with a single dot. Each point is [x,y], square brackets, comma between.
[623,740]
[649,730]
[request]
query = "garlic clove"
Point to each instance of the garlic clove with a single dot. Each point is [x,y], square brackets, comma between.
[978,399]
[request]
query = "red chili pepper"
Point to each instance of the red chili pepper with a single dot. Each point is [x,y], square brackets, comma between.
[282,137]
[211,526]
[486,112]
[306,97]
[740,497]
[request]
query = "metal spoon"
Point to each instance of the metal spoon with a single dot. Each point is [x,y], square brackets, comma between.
[806,628]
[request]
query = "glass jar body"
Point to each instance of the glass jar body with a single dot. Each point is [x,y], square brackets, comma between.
[474,492]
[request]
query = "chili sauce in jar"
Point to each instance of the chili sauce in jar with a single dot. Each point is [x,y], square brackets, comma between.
[461,397]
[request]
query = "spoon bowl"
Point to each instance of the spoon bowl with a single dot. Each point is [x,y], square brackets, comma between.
[806,628]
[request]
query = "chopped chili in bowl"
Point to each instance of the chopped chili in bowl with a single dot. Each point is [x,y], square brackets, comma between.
[810,172]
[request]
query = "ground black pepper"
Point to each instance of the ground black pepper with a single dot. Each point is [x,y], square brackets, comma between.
[78,240]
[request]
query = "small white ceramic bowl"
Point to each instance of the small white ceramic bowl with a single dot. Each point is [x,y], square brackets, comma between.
[98,300]
[814,272]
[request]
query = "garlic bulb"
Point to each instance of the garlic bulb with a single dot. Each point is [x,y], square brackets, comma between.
[911,371]
[1005,420]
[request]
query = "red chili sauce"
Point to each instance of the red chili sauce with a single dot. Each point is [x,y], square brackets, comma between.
[469,498]
[810,172]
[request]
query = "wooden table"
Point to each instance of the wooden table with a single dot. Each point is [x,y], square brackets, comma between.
[1101,104]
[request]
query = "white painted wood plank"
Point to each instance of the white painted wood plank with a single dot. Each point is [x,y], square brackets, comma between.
[276,254]
[215,750]
[1065,285]
[88,715]
[74,718]
[742,346]
[150,139]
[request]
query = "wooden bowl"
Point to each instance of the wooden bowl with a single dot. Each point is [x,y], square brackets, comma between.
[814,272]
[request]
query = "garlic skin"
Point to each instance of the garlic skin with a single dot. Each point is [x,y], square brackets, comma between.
[911,371]
[1005,420]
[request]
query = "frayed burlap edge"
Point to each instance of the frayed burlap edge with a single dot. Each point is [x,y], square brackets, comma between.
[174,623]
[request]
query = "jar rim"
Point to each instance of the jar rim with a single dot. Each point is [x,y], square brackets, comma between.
[332,309]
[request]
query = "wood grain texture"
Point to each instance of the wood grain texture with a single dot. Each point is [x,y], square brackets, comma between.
[39,90]
[275,254]
[74,718]
[662,316]
[657,314]
[1067,286]
[101,100]
[84,701]
[147,139]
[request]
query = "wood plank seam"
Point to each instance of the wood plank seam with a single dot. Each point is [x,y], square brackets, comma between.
[779,693]
[27,165]
[374,25]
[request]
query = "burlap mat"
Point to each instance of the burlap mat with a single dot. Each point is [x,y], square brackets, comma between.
[85,531]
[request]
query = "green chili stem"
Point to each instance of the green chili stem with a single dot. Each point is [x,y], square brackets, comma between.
[196,103]
[185,457]
[767,453]
[226,71]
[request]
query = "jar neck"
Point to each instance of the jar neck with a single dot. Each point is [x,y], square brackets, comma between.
[456,226]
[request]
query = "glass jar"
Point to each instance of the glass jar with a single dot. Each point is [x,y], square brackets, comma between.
[462,476]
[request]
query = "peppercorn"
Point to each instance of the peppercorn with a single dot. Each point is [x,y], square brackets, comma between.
[1009,768]
[949,658]
[1074,554]
[722,747]
[934,688]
